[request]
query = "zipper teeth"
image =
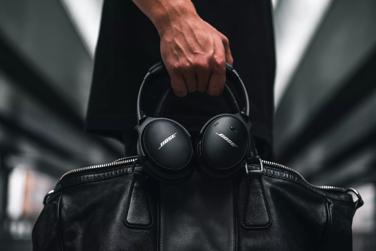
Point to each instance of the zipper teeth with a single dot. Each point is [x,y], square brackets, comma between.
[121,161]
[127,160]
[335,188]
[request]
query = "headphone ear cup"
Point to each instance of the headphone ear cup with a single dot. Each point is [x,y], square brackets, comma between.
[223,146]
[167,147]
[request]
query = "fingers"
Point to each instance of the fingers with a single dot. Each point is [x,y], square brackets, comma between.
[228,54]
[178,84]
[202,76]
[183,79]
[208,78]
[218,73]
[203,73]
[189,75]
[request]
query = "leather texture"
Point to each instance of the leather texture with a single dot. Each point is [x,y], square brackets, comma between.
[197,215]
[118,208]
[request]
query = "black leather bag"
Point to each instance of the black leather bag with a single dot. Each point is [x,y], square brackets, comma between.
[120,206]
[268,206]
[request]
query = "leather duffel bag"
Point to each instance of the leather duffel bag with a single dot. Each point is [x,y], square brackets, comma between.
[217,196]
[115,206]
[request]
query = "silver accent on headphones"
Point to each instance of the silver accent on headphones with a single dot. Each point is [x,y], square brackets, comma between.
[221,135]
[166,140]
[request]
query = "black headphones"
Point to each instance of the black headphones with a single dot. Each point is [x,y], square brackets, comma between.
[224,145]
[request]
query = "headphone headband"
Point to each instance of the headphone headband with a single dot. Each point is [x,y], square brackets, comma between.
[159,67]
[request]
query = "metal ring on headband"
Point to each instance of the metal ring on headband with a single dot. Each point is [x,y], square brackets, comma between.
[159,67]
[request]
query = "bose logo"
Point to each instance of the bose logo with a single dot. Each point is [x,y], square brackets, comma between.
[166,140]
[227,139]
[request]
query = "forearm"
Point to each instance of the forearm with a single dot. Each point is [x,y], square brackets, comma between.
[164,13]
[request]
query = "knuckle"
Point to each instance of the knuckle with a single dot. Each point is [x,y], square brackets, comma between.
[179,66]
[225,40]
[174,67]
[202,65]
[219,61]
[219,65]
[185,66]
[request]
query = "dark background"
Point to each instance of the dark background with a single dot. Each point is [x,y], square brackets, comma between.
[325,93]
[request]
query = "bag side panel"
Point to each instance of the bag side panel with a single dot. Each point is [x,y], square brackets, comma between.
[101,216]
[294,218]
[46,235]
[339,232]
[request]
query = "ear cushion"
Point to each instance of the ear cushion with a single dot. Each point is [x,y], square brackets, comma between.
[224,145]
[167,147]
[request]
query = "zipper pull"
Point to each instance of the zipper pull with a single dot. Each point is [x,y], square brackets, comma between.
[47,196]
[358,201]
[254,166]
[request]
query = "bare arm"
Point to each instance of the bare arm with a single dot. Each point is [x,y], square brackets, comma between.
[193,51]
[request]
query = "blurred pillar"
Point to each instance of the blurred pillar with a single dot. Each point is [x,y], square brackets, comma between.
[4,178]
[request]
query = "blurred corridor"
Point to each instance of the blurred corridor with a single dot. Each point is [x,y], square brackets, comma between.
[325,95]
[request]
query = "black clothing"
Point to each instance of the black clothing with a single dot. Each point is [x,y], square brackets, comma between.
[129,44]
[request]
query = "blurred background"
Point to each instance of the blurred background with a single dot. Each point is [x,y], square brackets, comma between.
[325,101]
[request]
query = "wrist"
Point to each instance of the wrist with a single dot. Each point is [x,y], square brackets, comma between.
[171,12]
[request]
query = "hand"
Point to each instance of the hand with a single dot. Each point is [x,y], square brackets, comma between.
[194,54]
[193,51]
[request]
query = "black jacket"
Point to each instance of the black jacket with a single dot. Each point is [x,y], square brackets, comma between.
[129,44]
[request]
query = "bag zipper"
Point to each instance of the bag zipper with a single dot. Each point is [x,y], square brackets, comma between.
[335,188]
[352,191]
[133,159]
[121,161]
